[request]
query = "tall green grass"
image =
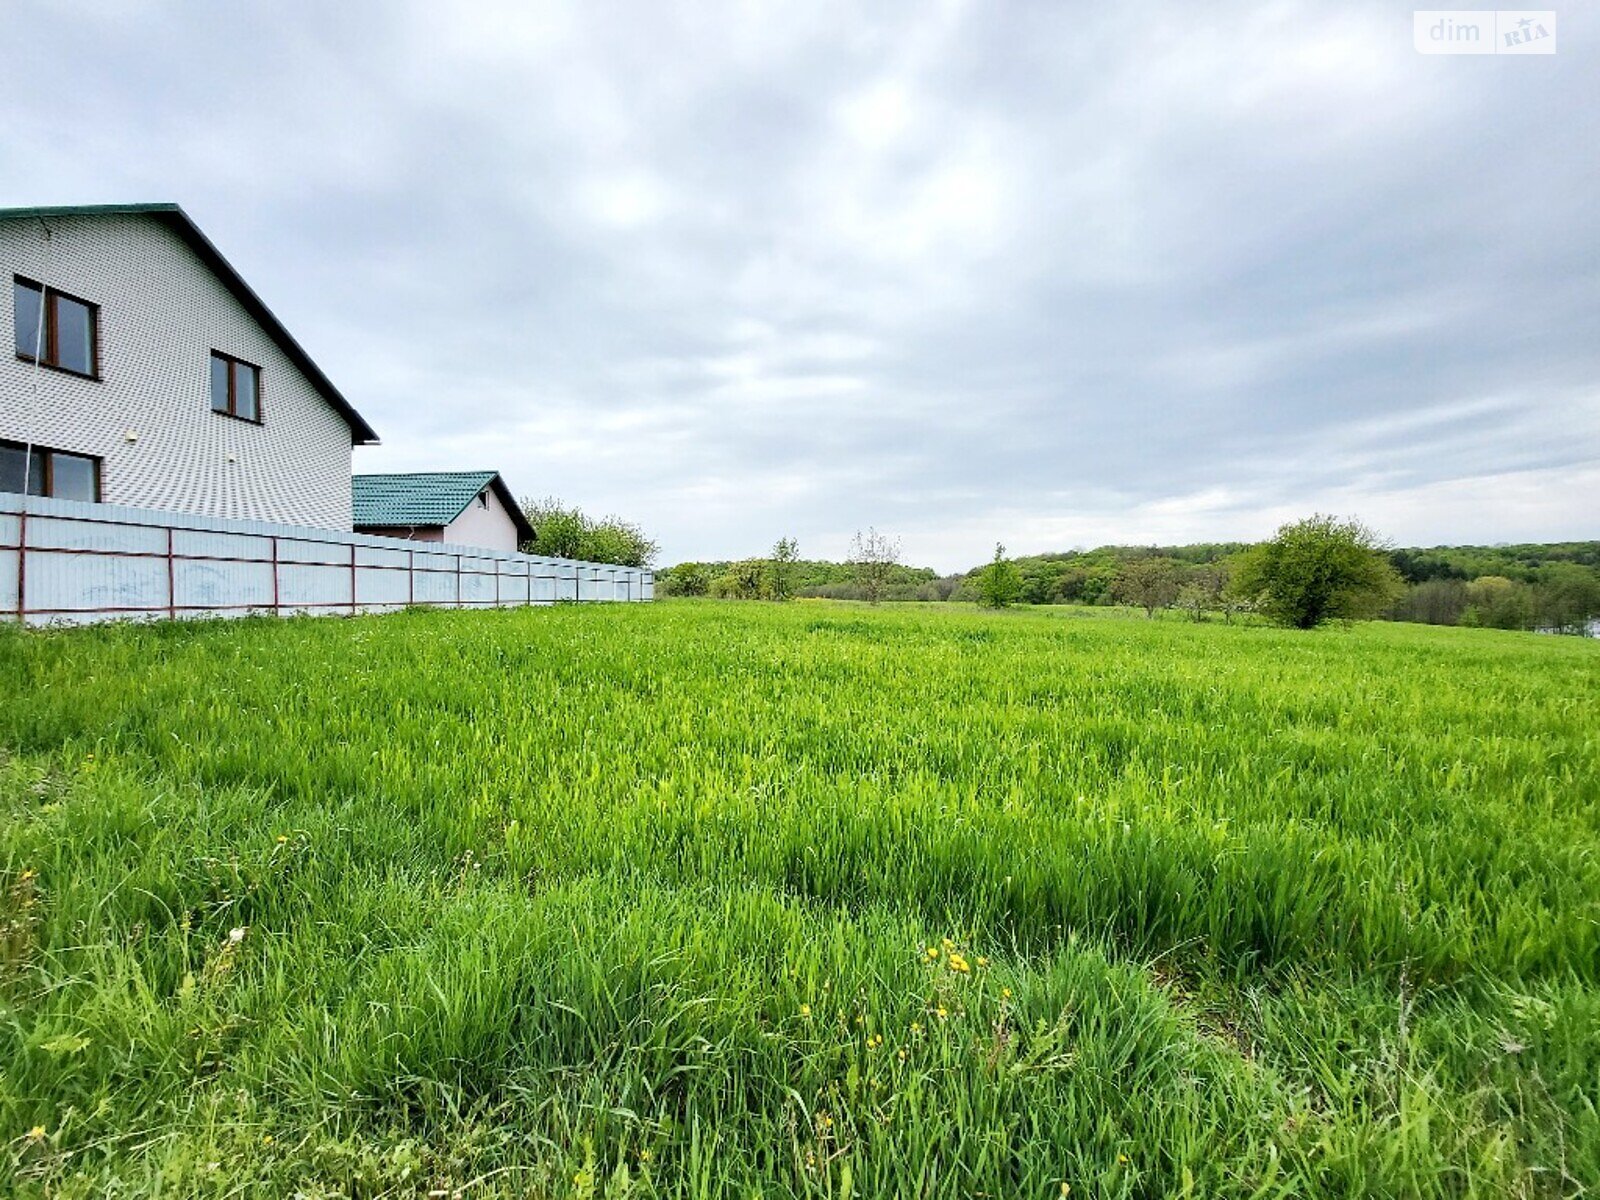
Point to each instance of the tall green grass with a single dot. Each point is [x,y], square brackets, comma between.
[676,900]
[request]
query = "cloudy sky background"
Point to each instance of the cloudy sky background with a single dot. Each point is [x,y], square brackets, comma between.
[966,272]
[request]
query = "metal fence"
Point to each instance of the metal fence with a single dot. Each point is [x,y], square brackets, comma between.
[72,562]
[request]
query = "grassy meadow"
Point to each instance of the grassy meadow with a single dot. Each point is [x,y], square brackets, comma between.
[698,899]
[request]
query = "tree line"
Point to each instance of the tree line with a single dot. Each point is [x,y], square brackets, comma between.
[1312,571]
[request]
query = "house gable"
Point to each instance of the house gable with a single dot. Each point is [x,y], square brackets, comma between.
[163,309]
[172,217]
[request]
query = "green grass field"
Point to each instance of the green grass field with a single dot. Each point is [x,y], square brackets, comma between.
[757,900]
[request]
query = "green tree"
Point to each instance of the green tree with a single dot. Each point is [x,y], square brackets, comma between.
[1317,570]
[781,568]
[563,532]
[1202,590]
[1566,599]
[1150,583]
[1495,602]
[999,582]
[558,531]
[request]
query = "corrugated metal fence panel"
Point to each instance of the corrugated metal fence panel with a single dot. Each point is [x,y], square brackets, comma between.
[66,561]
[382,585]
[66,582]
[433,587]
[210,583]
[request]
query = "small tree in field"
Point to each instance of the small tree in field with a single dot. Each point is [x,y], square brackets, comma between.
[999,582]
[1150,583]
[1203,590]
[1316,570]
[874,556]
[780,568]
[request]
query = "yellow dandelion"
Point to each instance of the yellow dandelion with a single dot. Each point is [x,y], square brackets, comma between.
[36,1134]
[1005,993]
[1122,1159]
[946,942]
[903,1054]
[805,1010]
[982,961]
[282,838]
[916,1027]
[933,952]
[266,1139]
[644,1156]
[941,1012]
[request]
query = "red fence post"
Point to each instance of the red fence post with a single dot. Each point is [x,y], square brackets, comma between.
[22,564]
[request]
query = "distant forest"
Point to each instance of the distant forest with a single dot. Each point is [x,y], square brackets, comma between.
[1554,586]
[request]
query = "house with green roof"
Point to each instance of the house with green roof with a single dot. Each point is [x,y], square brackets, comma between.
[463,508]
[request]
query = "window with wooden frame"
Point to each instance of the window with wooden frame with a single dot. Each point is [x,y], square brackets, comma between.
[235,387]
[41,471]
[56,330]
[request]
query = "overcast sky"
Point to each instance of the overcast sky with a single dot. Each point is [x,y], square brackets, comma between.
[965,272]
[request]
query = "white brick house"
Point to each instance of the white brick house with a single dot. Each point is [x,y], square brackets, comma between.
[147,373]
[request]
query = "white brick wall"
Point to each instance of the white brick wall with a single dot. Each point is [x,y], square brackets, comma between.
[162,312]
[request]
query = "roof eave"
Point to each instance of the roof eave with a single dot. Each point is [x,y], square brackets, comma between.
[519,518]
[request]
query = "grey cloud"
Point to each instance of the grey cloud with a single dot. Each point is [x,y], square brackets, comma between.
[967,272]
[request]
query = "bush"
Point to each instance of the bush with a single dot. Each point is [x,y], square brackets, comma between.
[685,579]
[742,581]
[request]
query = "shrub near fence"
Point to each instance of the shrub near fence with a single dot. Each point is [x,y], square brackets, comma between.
[66,561]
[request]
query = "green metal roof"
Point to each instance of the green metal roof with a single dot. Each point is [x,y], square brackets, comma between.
[170,215]
[428,498]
